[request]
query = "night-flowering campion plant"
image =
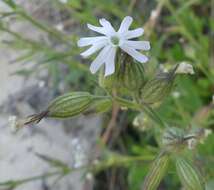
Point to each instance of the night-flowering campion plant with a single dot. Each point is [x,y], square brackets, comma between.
[110,41]
[128,84]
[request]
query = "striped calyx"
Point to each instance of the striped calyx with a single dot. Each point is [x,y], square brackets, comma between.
[189,176]
[156,172]
[156,89]
[69,105]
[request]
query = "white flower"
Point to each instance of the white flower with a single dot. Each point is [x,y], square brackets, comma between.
[213,99]
[185,68]
[110,41]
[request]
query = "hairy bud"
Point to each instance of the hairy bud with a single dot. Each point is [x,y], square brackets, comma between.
[156,89]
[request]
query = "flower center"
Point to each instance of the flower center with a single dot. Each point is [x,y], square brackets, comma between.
[115,40]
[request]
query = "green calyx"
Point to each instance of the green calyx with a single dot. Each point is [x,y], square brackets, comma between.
[157,172]
[69,105]
[189,176]
[158,88]
[74,103]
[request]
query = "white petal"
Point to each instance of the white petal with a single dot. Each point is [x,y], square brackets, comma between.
[94,48]
[98,29]
[100,59]
[134,33]
[107,25]
[135,54]
[141,45]
[89,40]
[125,24]
[109,63]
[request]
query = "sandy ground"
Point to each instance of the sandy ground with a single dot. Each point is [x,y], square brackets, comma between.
[71,144]
[9,84]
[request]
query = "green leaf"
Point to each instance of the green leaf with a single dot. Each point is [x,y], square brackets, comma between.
[52,161]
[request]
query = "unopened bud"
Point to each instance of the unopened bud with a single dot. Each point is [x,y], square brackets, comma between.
[173,139]
[69,105]
[65,106]
[156,89]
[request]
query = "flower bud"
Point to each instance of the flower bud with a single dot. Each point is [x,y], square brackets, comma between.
[156,172]
[65,106]
[173,139]
[189,175]
[69,105]
[156,89]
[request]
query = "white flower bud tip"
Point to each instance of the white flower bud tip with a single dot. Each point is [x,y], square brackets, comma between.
[192,143]
[185,68]
[89,176]
[59,27]
[176,94]
[207,132]
[154,14]
[13,123]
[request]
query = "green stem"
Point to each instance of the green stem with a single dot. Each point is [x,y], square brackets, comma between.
[15,183]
